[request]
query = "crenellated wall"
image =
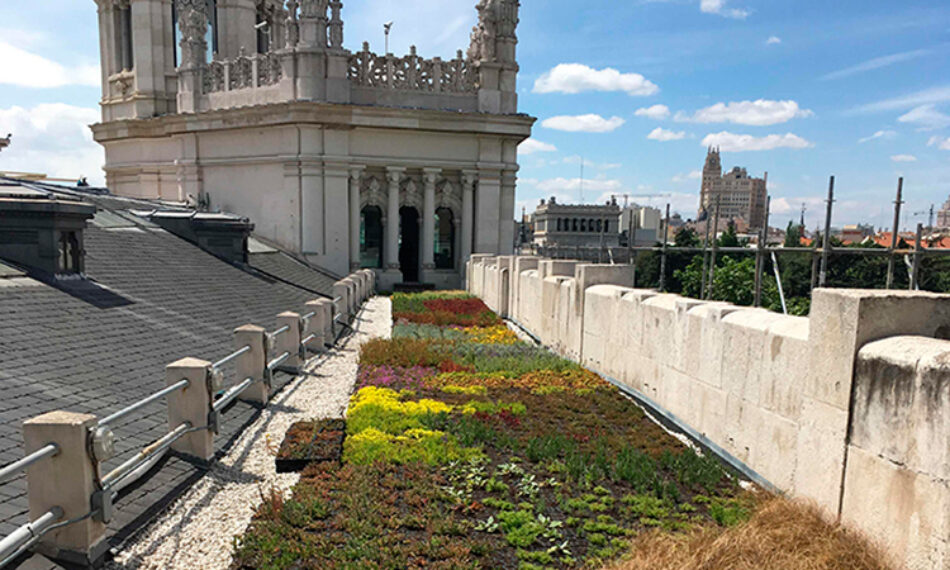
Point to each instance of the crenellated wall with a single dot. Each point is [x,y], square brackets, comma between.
[841,407]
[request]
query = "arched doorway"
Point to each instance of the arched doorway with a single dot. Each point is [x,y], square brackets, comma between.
[409,244]
[371,237]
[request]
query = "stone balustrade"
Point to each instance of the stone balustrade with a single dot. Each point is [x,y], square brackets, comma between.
[243,72]
[411,72]
[841,407]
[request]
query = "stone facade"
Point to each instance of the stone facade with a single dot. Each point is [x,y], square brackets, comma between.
[404,164]
[584,225]
[739,195]
[943,216]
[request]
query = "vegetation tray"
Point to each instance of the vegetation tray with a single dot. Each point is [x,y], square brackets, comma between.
[311,442]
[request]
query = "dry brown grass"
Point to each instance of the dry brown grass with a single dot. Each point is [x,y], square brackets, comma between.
[781,535]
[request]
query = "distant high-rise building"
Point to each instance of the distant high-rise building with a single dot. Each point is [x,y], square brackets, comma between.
[943,216]
[740,196]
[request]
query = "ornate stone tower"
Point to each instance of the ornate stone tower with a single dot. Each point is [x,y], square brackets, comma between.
[712,178]
[493,48]
[404,164]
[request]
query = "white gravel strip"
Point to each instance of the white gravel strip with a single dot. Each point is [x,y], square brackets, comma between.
[198,529]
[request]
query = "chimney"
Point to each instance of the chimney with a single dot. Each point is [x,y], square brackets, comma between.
[41,230]
[223,235]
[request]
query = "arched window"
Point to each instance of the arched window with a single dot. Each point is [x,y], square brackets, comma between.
[444,239]
[211,37]
[559,224]
[371,237]
[600,226]
[606,226]
[590,225]
[583,225]
[574,224]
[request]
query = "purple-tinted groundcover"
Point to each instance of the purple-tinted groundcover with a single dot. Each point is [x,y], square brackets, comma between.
[394,377]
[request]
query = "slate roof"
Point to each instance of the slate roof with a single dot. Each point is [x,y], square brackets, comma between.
[99,344]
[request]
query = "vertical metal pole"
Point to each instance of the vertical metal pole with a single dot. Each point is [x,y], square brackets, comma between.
[702,281]
[760,254]
[897,222]
[814,268]
[712,263]
[826,241]
[915,272]
[666,238]
[630,241]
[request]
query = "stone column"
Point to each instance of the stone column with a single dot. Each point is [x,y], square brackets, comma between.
[430,176]
[65,480]
[191,405]
[488,226]
[356,177]
[468,212]
[506,237]
[312,219]
[394,176]
[193,25]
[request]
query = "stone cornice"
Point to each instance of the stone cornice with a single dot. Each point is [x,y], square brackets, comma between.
[327,115]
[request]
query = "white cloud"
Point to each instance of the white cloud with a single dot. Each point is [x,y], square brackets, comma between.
[52,139]
[577,78]
[761,112]
[731,142]
[664,135]
[719,7]
[773,40]
[20,67]
[692,175]
[583,123]
[878,135]
[904,158]
[531,146]
[926,97]
[943,143]
[927,117]
[877,63]
[658,112]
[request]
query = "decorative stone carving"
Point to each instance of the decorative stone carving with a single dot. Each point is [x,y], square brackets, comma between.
[497,19]
[411,73]
[372,194]
[448,196]
[293,31]
[336,25]
[193,25]
[313,8]
[410,195]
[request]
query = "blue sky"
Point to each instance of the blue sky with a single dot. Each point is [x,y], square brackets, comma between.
[860,90]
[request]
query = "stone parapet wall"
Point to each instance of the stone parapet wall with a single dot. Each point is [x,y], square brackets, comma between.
[841,407]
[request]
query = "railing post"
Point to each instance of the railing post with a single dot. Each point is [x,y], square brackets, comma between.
[317,326]
[66,480]
[341,301]
[192,404]
[290,340]
[253,364]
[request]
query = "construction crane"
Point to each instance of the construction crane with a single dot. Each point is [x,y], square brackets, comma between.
[627,197]
[930,219]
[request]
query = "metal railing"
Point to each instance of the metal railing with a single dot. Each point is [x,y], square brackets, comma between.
[244,350]
[101,442]
[143,402]
[26,535]
[12,470]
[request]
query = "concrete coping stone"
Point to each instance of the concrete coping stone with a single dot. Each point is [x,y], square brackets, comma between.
[910,351]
